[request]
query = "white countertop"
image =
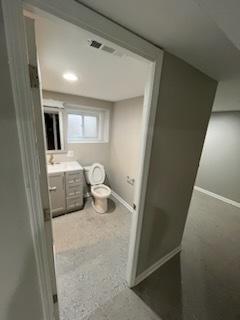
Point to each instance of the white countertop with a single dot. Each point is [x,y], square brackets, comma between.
[64,166]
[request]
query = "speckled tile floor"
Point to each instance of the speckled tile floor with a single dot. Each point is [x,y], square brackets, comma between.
[91,258]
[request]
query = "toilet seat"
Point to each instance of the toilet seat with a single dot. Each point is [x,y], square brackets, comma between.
[101,191]
[96,174]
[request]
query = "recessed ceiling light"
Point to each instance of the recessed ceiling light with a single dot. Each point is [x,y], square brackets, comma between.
[69,76]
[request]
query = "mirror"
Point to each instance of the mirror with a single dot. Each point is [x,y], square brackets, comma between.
[53,129]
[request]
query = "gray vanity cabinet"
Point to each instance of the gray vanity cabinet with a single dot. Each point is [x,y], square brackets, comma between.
[66,191]
[74,190]
[57,193]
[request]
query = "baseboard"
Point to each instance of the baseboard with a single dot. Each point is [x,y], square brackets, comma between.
[156,265]
[217,196]
[123,202]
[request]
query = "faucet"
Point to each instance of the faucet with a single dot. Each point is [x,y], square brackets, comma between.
[51,159]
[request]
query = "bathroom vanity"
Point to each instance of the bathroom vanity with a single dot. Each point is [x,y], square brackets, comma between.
[65,187]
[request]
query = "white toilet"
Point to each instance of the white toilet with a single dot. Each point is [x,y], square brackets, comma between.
[95,176]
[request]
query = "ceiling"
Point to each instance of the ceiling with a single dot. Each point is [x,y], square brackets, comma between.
[204,33]
[63,47]
[226,14]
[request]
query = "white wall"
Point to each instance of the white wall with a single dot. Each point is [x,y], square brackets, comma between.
[19,289]
[219,170]
[126,127]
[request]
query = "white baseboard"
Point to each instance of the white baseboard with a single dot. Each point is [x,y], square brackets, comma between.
[217,196]
[123,202]
[156,265]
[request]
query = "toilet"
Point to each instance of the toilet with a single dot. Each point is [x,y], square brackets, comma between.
[95,176]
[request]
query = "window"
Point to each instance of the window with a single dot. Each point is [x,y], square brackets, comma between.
[53,129]
[82,127]
[87,125]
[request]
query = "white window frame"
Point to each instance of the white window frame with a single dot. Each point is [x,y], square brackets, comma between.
[103,117]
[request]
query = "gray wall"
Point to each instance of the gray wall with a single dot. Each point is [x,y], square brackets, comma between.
[19,288]
[185,102]
[219,170]
[85,153]
[125,136]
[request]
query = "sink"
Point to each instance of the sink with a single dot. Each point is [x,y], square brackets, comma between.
[64,167]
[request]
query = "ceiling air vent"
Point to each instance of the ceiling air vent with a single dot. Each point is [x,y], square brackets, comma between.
[107,49]
[100,46]
[94,44]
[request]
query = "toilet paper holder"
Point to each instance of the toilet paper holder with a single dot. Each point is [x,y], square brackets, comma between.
[131,181]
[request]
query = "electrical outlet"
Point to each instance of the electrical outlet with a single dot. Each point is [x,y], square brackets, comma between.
[70,153]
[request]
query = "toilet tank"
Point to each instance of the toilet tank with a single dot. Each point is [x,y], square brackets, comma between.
[86,172]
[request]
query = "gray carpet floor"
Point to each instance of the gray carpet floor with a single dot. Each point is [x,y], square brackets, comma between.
[91,258]
[203,282]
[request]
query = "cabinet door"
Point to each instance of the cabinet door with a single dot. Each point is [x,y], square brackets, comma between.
[57,193]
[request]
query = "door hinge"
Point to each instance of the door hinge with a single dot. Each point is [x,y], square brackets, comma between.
[47,214]
[134,207]
[55,298]
[33,75]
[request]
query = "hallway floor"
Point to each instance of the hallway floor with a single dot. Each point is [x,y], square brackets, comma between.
[201,283]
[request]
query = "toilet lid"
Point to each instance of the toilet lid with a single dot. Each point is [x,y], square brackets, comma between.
[96,174]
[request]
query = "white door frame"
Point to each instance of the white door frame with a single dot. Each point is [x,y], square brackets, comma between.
[87,19]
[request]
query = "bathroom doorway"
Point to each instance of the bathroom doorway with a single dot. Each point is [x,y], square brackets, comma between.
[93,120]
[58,140]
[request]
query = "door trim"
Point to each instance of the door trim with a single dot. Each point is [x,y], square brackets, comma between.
[19,73]
[87,19]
